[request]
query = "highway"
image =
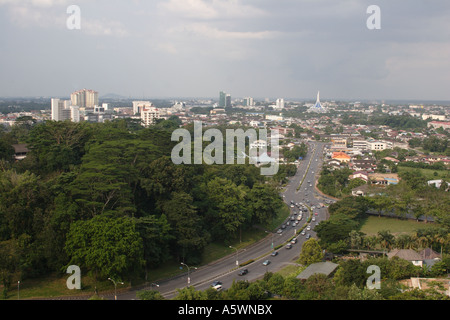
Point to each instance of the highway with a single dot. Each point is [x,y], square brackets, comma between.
[300,189]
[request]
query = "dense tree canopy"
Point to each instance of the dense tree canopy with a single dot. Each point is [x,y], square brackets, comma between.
[107,196]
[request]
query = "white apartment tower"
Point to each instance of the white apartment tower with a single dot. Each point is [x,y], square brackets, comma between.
[63,110]
[58,107]
[138,106]
[84,98]
[150,115]
[280,103]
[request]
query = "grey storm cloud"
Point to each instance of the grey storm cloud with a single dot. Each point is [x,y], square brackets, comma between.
[196,48]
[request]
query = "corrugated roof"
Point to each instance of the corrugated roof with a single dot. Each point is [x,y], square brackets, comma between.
[325,268]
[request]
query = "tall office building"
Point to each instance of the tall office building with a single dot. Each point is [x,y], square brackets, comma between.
[84,98]
[222,99]
[248,102]
[228,101]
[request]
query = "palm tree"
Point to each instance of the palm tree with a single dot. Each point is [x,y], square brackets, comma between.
[386,238]
[404,241]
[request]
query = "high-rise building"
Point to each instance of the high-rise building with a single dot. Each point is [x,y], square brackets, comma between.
[84,98]
[222,99]
[63,110]
[280,103]
[75,113]
[58,106]
[138,106]
[228,101]
[248,102]
[149,115]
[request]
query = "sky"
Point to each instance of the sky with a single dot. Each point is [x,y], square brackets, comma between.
[247,48]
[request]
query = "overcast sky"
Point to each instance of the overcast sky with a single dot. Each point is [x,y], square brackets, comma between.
[257,48]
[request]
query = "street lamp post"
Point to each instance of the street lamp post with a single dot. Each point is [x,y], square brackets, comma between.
[237,255]
[115,287]
[272,236]
[189,278]
[18,290]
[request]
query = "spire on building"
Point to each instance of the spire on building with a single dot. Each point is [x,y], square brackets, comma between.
[318,106]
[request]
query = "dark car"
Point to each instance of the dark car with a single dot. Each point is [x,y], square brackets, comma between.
[243,272]
[275,253]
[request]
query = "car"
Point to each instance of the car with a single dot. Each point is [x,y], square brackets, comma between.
[292,218]
[313,219]
[316,213]
[308,227]
[216,283]
[308,236]
[243,272]
[218,287]
[280,231]
[267,262]
[287,223]
[275,253]
[303,232]
[288,246]
[283,226]
[294,240]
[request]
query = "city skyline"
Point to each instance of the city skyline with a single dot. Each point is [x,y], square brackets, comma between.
[195,48]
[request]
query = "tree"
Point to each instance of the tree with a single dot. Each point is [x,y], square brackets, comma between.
[275,284]
[109,247]
[228,208]
[21,201]
[149,295]
[356,293]
[311,252]
[386,239]
[156,236]
[319,287]
[56,145]
[9,260]
[351,272]
[264,203]
[337,228]
[190,293]
[189,236]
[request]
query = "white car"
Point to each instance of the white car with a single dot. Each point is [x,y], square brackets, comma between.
[308,228]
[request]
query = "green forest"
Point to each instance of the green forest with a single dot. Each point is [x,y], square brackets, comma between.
[107,197]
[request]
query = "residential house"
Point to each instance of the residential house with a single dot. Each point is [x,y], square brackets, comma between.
[408,255]
[430,257]
[384,178]
[20,151]
[363,175]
